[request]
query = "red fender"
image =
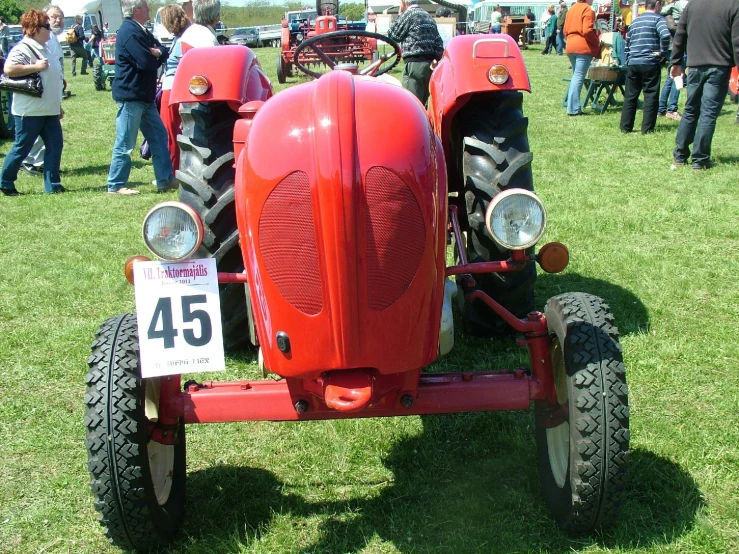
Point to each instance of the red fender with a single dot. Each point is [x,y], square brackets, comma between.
[463,73]
[734,81]
[233,72]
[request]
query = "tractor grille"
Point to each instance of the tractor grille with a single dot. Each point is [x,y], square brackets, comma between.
[287,242]
[396,236]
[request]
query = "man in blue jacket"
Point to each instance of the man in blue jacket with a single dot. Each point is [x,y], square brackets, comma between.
[138,55]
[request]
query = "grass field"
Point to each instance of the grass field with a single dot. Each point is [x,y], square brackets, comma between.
[660,245]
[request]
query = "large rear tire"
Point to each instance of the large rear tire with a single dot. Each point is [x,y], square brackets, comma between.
[494,156]
[138,484]
[281,77]
[583,443]
[206,177]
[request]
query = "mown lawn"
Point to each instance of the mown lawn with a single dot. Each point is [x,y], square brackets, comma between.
[660,245]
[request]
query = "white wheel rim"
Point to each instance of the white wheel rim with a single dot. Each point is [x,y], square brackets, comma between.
[161,456]
[558,438]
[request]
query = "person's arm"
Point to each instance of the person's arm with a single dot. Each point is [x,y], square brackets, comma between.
[588,22]
[19,63]
[679,41]
[399,28]
[664,37]
[138,49]
[734,37]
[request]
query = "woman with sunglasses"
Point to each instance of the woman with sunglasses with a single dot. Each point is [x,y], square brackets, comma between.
[35,117]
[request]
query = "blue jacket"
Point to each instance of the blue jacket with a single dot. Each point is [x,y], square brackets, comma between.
[135,66]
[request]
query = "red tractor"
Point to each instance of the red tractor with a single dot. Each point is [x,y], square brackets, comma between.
[301,29]
[332,222]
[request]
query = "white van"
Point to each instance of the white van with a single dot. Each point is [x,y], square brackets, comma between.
[97,12]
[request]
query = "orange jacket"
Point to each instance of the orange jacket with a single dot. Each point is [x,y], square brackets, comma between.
[578,30]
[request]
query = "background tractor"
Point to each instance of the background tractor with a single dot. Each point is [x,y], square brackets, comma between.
[299,26]
[332,223]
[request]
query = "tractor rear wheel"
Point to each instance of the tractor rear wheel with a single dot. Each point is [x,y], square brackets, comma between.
[494,156]
[206,177]
[583,442]
[98,78]
[280,70]
[138,484]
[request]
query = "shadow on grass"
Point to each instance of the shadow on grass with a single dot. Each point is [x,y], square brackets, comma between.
[468,483]
[630,313]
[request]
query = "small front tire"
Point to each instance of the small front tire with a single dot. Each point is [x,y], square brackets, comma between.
[138,484]
[583,442]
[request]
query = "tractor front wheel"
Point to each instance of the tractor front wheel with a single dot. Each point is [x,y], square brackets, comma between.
[583,441]
[206,177]
[494,156]
[138,484]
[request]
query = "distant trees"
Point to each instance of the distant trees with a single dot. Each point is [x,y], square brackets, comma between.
[11,10]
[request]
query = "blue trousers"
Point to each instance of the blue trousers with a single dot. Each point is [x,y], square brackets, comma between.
[580,64]
[707,88]
[27,129]
[131,117]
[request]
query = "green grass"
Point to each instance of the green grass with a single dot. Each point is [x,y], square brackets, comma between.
[659,245]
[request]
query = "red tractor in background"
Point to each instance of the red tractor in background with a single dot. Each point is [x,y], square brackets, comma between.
[302,26]
[331,222]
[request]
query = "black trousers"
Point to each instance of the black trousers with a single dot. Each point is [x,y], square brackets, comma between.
[641,78]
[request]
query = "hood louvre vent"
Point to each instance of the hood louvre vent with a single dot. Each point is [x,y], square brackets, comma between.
[396,236]
[287,242]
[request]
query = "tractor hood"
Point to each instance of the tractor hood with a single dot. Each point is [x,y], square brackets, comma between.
[341,205]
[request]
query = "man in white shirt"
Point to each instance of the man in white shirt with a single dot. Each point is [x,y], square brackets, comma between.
[34,162]
[207,14]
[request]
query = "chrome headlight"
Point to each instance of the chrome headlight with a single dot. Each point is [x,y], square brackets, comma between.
[516,219]
[173,231]
[299,37]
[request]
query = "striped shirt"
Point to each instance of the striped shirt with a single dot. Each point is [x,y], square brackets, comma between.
[648,40]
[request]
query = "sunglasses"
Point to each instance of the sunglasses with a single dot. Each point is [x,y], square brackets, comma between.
[46,26]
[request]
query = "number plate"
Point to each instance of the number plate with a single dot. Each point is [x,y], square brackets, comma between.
[179,317]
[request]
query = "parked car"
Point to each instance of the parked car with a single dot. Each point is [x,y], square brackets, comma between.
[246,36]
[16,34]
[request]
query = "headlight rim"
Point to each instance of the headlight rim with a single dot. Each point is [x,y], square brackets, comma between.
[502,196]
[190,212]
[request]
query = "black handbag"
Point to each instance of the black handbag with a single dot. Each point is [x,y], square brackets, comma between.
[30,85]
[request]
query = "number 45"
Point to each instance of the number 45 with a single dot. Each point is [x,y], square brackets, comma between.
[168,331]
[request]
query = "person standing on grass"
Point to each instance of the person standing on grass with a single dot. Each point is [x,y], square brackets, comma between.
[551,31]
[647,45]
[176,22]
[496,20]
[35,117]
[582,46]
[422,46]
[670,93]
[561,15]
[138,57]
[34,162]
[709,30]
[78,47]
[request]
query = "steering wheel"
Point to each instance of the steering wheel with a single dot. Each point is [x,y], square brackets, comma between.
[372,69]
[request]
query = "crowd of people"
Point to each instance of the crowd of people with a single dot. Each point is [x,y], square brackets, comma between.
[698,39]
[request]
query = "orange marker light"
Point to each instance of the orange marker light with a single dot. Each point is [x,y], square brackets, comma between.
[498,74]
[553,257]
[129,266]
[198,85]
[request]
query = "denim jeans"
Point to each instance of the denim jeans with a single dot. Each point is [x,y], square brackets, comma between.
[707,88]
[131,117]
[668,98]
[27,129]
[580,64]
[560,42]
[495,29]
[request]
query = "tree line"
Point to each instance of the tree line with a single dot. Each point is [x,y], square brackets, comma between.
[256,12]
